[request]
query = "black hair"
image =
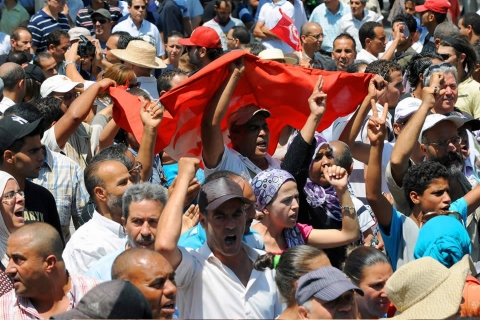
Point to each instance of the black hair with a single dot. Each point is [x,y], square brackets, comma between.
[417,65]
[409,21]
[439,17]
[419,177]
[32,88]
[219,2]
[355,66]
[55,37]
[460,44]
[367,30]
[123,38]
[214,53]
[472,19]
[41,56]
[18,57]
[294,263]
[114,152]
[50,108]
[12,76]
[385,68]
[344,158]
[241,33]
[164,81]
[16,33]
[175,34]
[255,47]
[360,258]
[476,48]
[345,35]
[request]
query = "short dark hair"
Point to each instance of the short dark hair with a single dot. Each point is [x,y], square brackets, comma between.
[18,57]
[355,66]
[41,56]
[419,177]
[219,2]
[241,33]
[175,34]
[16,33]
[50,108]
[360,258]
[417,65]
[383,68]
[123,37]
[214,53]
[345,35]
[367,30]
[460,44]
[472,19]
[409,21]
[164,81]
[113,152]
[439,17]
[255,47]
[344,157]
[129,2]
[12,77]
[55,37]
[476,47]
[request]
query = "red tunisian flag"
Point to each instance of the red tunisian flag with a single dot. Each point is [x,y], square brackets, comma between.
[287,32]
[280,88]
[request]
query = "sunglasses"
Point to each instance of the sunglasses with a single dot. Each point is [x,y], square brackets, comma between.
[138,7]
[134,85]
[445,56]
[101,21]
[430,215]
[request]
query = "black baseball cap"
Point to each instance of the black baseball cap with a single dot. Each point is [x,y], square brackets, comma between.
[34,72]
[13,128]
[216,192]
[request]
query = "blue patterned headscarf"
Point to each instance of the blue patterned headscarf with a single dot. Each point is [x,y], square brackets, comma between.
[443,238]
[266,185]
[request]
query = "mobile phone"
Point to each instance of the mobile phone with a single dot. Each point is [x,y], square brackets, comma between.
[405,30]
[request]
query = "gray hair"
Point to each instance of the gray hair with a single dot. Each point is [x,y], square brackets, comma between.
[443,69]
[445,29]
[143,191]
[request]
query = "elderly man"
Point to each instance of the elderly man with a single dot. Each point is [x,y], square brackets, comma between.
[20,40]
[326,293]
[311,37]
[344,51]
[43,285]
[198,274]
[142,205]
[153,275]
[13,77]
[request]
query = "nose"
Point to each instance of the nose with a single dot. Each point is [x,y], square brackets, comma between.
[324,161]
[19,198]
[10,269]
[230,223]
[145,231]
[55,72]
[446,198]
[343,54]
[295,203]
[40,156]
[403,89]
[170,289]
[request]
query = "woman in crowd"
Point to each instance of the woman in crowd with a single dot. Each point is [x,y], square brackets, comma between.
[369,269]
[173,49]
[290,266]
[277,198]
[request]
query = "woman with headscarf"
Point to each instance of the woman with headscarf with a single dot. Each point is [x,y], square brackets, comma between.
[11,219]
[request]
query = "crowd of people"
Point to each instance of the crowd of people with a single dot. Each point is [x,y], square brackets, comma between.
[371,214]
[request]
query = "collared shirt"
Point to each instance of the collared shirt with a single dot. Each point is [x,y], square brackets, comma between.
[95,239]
[5,104]
[364,55]
[13,18]
[223,30]
[149,28]
[349,24]
[270,15]
[5,45]
[41,24]
[64,179]
[469,97]
[84,19]
[19,308]
[207,289]
[329,22]
[102,269]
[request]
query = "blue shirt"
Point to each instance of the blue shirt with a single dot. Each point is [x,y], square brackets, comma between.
[400,247]
[196,237]
[329,22]
[102,269]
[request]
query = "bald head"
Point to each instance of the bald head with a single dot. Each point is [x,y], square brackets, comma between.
[307,26]
[42,238]
[342,155]
[130,259]
[11,73]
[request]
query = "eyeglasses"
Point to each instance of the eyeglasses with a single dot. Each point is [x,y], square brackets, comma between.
[134,85]
[138,7]
[10,195]
[101,21]
[443,144]
[430,215]
[438,66]
[135,172]
[138,166]
[316,36]
[68,96]
[230,39]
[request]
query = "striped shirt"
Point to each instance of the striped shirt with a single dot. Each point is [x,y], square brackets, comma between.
[19,308]
[41,24]
[63,177]
[84,18]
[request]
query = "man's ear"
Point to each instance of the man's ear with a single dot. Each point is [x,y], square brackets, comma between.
[423,148]
[50,262]
[202,219]
[202,52]
[51,47]
[100,193]
[462,57]
[415,197]
[8,156]
[302,312]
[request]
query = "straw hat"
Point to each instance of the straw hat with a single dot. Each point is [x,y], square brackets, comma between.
[275,54]
[140,53]
[426,289]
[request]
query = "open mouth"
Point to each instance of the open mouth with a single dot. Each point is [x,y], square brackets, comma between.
[19,214]
[262,144]
[293,217]
[230,240]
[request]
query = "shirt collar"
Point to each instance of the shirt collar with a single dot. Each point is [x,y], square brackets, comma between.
[106,223]
[133,24]
[207,253]
[48,158]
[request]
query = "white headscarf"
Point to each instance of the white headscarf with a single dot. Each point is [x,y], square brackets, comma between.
[4,233]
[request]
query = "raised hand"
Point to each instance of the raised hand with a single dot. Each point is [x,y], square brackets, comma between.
[152,113]
[318,100]
[336,176]
[106,83]
[71,53]
[190,218]
[376,128]
[237,66]
[377,87]
[436,90]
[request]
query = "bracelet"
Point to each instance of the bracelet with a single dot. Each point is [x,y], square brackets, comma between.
[348,208]
[69,62]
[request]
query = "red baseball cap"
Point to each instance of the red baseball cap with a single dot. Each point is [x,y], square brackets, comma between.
[438,6]
[203,37]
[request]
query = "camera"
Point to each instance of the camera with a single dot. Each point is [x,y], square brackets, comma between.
[85,48]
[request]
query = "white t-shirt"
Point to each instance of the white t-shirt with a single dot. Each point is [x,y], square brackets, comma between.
[270,15]
[366,56]
[349,24]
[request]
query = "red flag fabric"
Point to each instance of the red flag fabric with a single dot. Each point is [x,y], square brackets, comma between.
[287,32]
[280,88]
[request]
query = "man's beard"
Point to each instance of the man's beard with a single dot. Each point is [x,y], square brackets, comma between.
[453,168]
[114,203]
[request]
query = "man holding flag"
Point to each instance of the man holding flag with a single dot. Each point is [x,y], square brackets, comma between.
[276,27]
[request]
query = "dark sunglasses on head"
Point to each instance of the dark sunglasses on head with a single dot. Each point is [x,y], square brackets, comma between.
[101,21]
[138,7]
[430,215]
[434,67]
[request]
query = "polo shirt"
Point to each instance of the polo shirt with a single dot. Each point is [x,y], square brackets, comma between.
[349,24]
[223,30]
[329,22]
[12,18]
[41,24]
[146,27]
[270,15]
[84,18]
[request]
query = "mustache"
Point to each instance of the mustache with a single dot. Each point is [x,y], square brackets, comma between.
[145,240]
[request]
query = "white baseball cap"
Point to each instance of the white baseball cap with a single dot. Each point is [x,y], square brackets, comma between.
[434,119]
[58,83]
[406,108]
